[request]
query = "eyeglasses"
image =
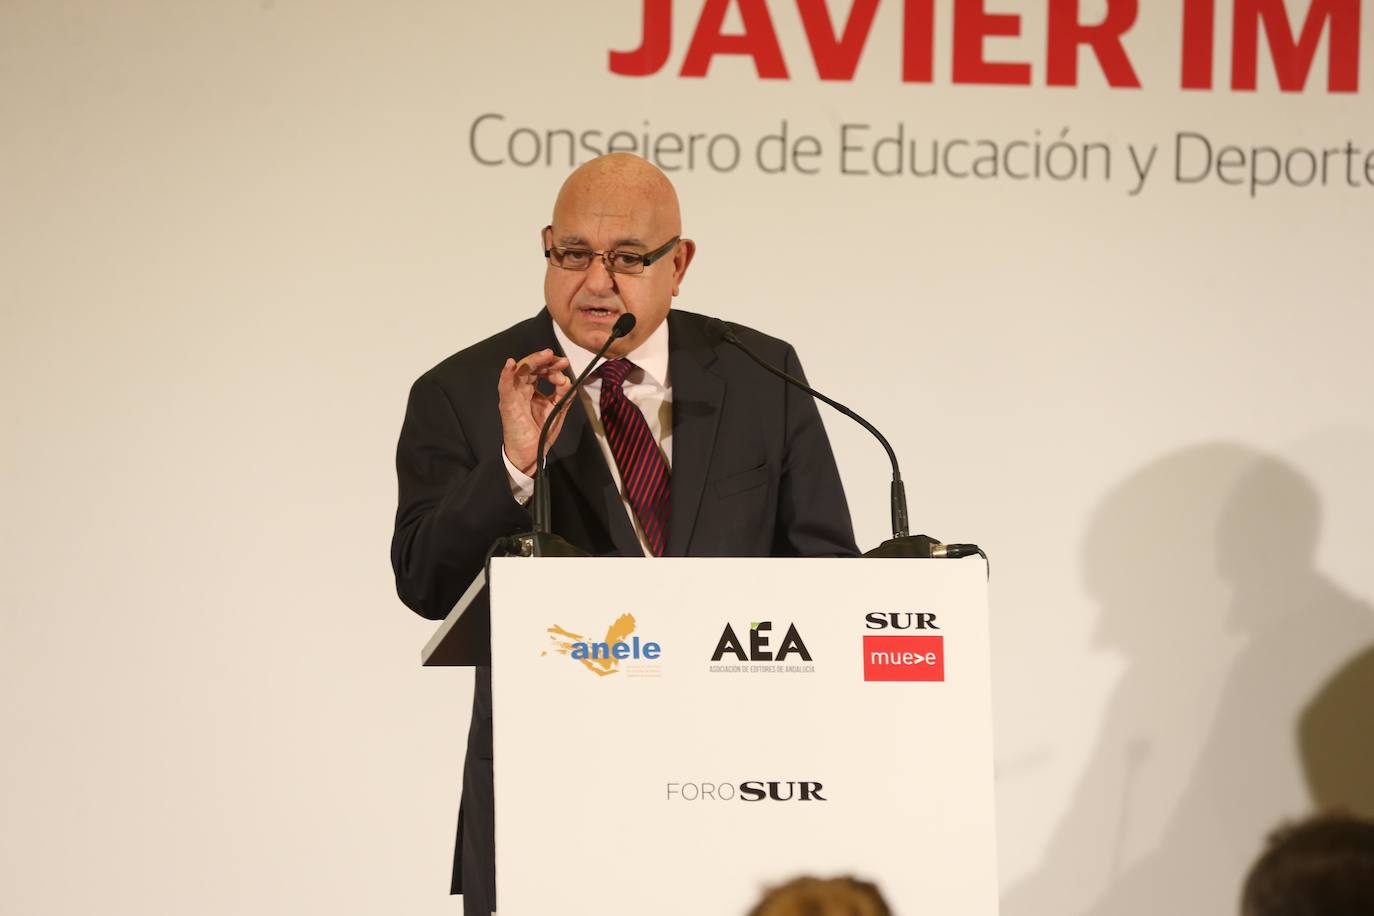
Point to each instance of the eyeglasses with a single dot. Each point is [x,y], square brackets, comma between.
[617,262]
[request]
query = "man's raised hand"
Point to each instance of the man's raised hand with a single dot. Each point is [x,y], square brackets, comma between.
[524,409]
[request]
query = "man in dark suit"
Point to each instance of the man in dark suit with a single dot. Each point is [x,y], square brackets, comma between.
[680,446]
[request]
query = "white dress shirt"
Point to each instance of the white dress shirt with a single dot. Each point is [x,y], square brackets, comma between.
[648,387]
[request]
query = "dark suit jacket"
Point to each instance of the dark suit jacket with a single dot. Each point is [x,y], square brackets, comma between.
[752,476]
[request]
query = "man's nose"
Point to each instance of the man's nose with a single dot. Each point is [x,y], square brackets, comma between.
[599,279]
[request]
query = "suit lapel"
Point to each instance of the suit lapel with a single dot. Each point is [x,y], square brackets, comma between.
[697,397]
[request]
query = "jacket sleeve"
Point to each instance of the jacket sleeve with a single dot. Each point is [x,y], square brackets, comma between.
[813,515]
[453,503]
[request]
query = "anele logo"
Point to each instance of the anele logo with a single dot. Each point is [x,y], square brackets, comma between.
[758,644]
[603,658]
[904,658]
[900,620]
[754,791]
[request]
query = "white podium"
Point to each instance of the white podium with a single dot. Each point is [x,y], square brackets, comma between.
[673,735]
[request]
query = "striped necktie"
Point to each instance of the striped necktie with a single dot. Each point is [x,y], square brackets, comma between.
[643,470]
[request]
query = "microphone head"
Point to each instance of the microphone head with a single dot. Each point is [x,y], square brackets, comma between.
[623,325]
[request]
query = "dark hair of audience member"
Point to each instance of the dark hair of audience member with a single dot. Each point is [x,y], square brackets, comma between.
[804,896]
[1323,866]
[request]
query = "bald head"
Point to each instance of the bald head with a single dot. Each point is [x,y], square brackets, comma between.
[616,203]
[619,184]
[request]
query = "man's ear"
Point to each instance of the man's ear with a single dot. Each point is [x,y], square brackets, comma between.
[682,259]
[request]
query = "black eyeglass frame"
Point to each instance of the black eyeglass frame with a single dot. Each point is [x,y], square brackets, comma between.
[645,260]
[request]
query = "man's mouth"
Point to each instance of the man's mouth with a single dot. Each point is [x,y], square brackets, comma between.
[592,312]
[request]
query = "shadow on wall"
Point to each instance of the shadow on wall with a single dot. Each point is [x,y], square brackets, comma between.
[1202,563]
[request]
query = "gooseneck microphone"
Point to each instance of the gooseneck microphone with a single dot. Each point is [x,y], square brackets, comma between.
[541,541]
[901,544]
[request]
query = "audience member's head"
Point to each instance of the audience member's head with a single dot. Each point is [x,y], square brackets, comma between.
[1319,867]
[817,897]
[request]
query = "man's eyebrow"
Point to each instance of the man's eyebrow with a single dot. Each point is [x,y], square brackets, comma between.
[566,240]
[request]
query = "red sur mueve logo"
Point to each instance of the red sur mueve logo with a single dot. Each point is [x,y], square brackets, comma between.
[904,658]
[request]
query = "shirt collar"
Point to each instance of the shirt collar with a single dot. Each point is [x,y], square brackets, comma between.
[651,356]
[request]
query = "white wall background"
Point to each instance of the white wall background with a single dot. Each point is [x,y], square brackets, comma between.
[232,233]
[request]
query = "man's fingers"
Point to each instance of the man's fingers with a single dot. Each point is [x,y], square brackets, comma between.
[540,363]
[556,426]
[543,403]
[554,371]
[505,383]
[519,384]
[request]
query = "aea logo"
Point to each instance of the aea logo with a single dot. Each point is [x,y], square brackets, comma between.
[759,649]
